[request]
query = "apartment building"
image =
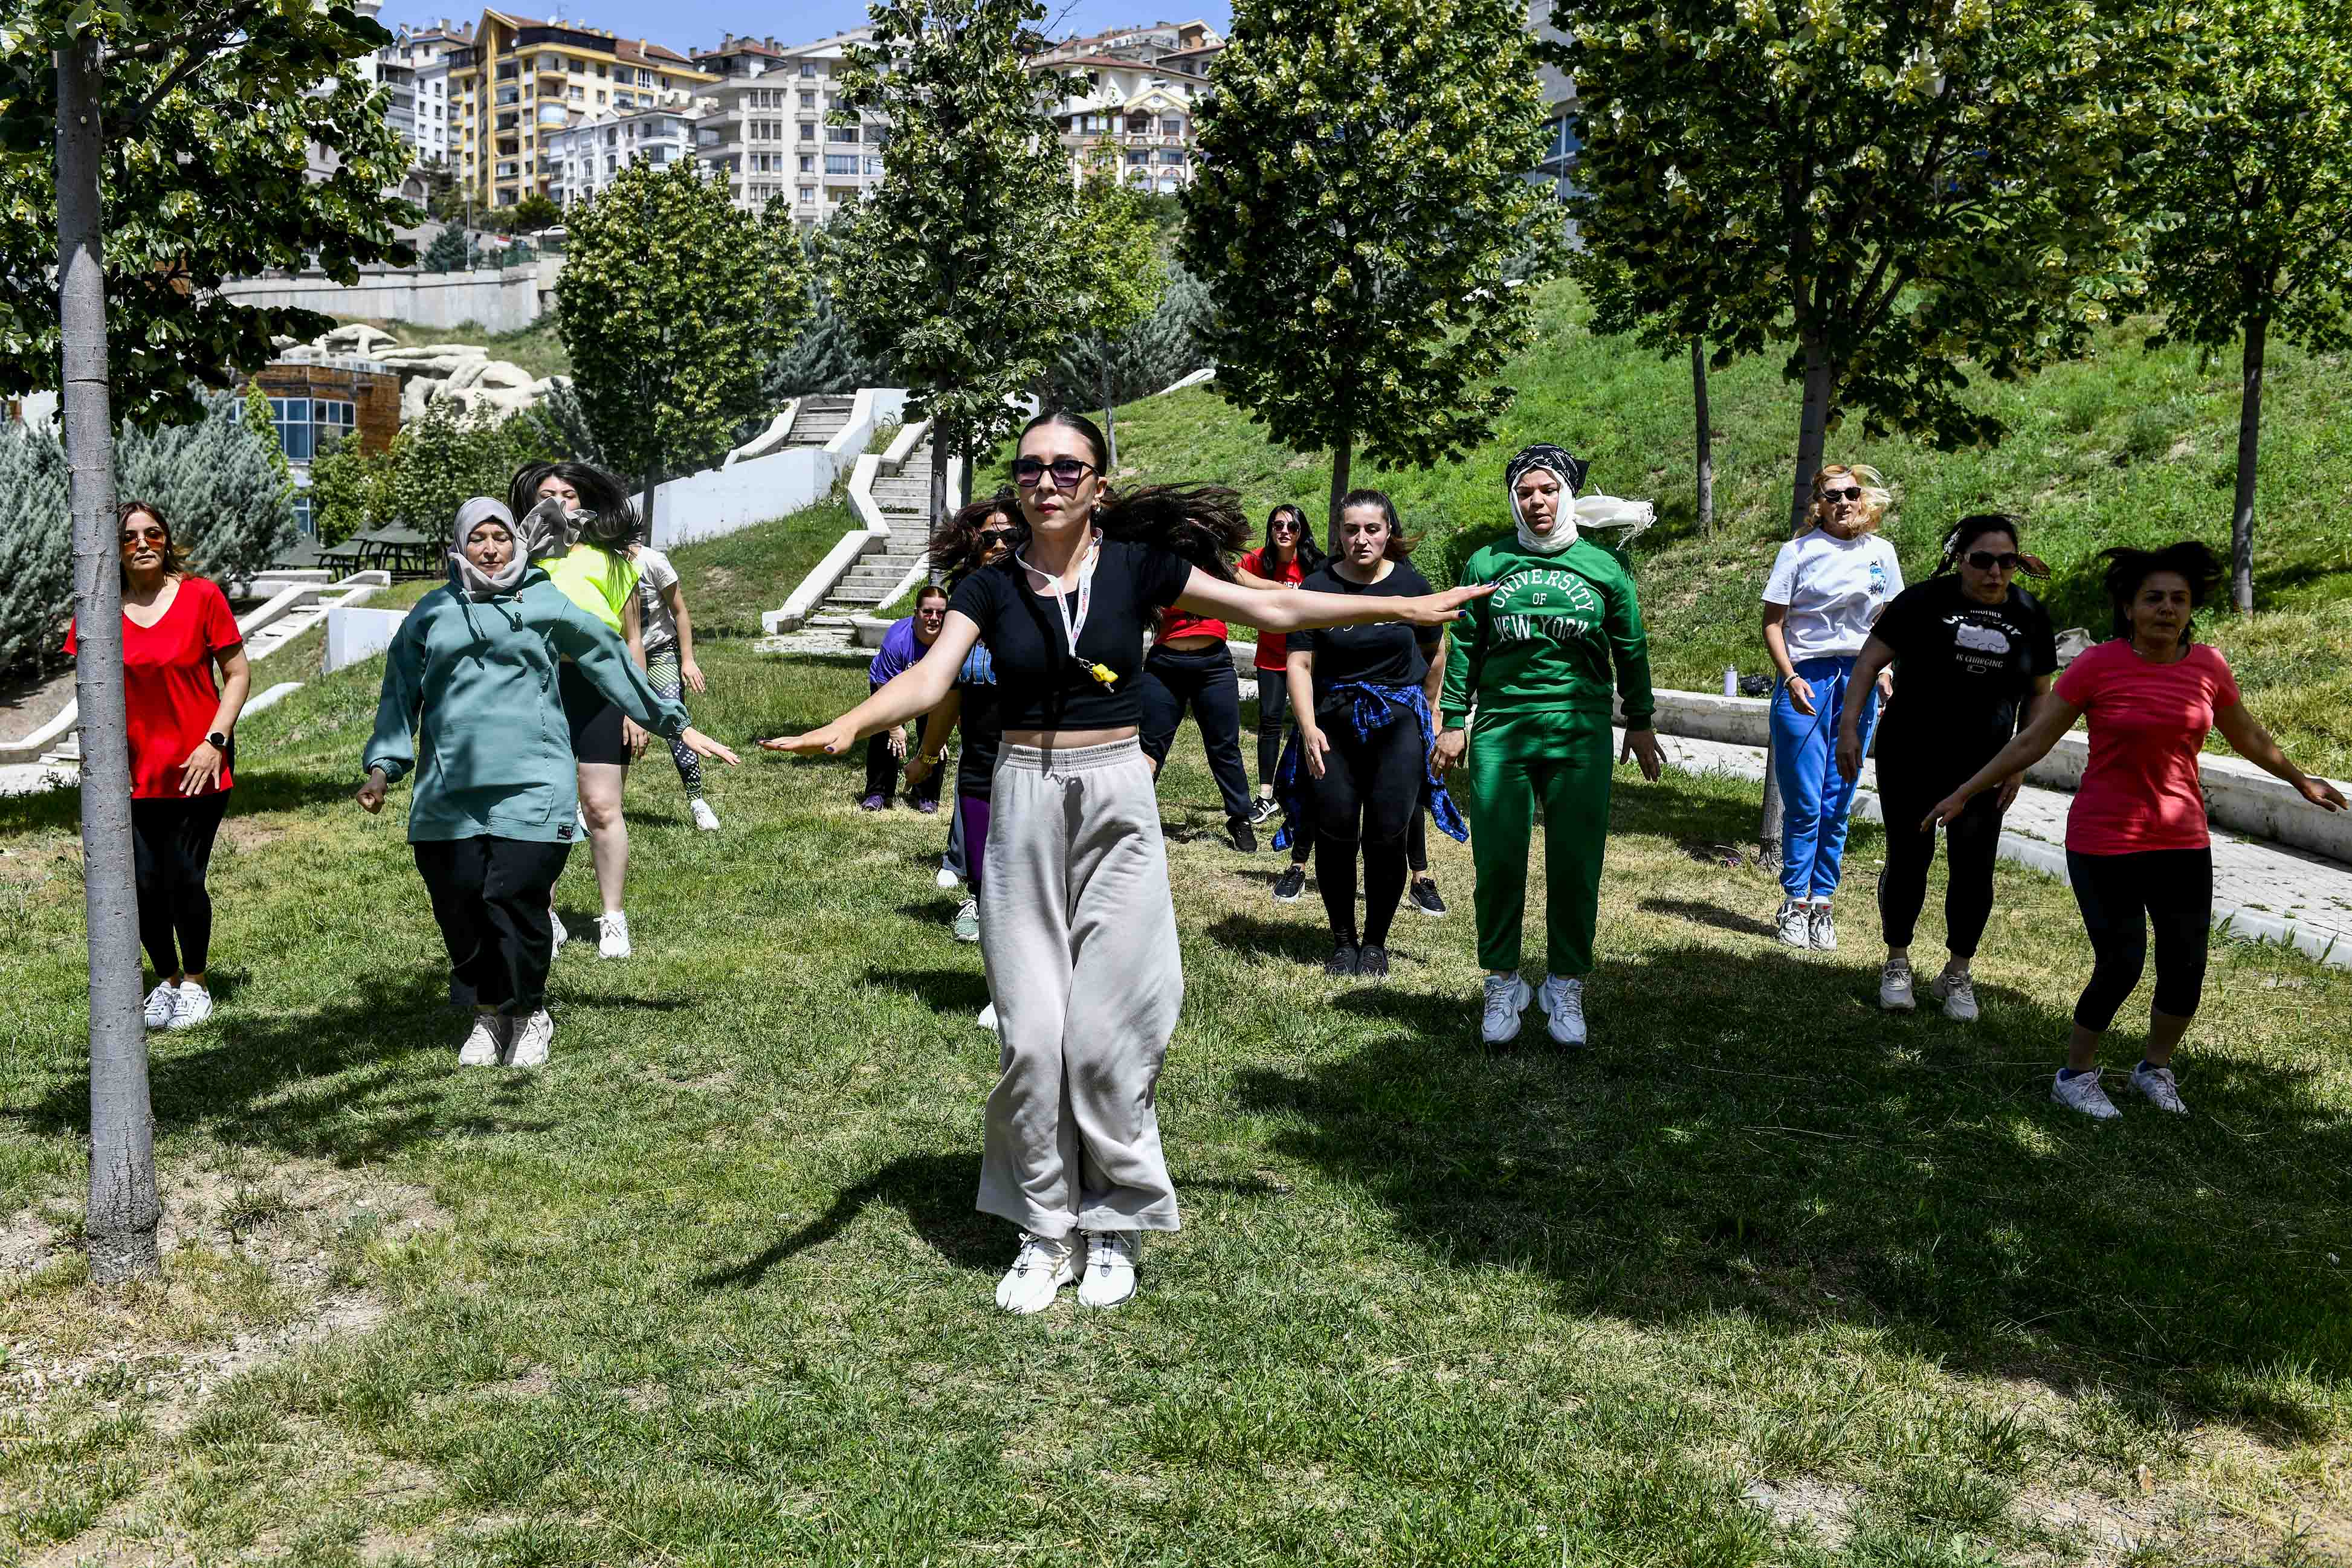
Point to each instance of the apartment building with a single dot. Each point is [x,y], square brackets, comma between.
[522,80]
[416,66]
[1144,44]
[586,157]
[1137,115]
[769,132]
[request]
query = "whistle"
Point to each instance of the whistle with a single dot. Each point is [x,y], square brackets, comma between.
[1104,674]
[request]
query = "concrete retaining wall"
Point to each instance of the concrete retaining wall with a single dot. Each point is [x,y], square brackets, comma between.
[355,634]
[501,299]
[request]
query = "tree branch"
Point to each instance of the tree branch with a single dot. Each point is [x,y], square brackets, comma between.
[199,53]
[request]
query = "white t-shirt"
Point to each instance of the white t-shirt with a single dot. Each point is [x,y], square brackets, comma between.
[1833,589]
[655,573]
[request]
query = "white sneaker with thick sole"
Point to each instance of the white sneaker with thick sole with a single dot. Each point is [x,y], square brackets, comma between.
[482,1042]
[613,935]
[1793,924]
[1508,997]
[194,1005]
[1562,1000]
[2159,1088]
[1895,989]
[528,1039]
[1821,928]
[987,1018]
[703,817]
[1110,1267]
[161,1003]
[947,880]
[555,922]
[1039,1269]
[967,922]
[1958,995]
[2082,1092]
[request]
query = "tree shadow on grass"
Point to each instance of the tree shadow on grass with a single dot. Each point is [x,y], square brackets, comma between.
[1299,941]
[944,990]
[935,1193]
[256,790]
[1729,1146]
[1699,914]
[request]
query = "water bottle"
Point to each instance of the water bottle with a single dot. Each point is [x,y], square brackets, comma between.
[1731,680]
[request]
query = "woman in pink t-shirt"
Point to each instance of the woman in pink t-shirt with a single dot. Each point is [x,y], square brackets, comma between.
[2137,849]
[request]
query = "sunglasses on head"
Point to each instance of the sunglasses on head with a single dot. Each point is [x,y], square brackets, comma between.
[1066,471]
[1985,560]
[1851,493]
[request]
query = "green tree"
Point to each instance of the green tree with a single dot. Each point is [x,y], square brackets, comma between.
[672,304]
[449,252]
[36,544]
[956,268]
[824,355]
[1362,223]
[446,458]
[263,424]
[534,213]
[1896,189]
[1146,358]
[351,490]
[2256,173]
[1125,276]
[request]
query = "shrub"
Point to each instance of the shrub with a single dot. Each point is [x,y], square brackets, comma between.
[36,545]
[350,490]
[219,483]
[446,458]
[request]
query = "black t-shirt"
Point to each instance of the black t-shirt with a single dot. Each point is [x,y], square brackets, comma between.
[1963,670]
[1391,653]
[1039,685]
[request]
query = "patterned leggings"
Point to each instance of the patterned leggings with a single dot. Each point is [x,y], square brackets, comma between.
[663,673]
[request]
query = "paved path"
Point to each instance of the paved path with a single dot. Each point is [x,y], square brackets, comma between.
[2259,890]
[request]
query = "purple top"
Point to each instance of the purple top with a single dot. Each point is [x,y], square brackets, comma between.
[900,652]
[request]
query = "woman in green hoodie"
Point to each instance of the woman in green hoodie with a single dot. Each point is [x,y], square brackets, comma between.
[1541,659]
[472,671]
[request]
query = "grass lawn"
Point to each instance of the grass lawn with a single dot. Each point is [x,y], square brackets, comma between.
[2128,447]
[1763,1278]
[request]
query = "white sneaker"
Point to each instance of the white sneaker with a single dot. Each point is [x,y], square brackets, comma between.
[2160,1089]
[162,1002]
[613,935]
[1793,924]
[947,880]
[1958,995]
[703,817]
[1894,988]
[528,1039]
[987,1018]
[967,921]
[1110,1267]
[1821,928]
[194,1005]
[482,1042]
[1039,1268]
[555,920]
[1562,1000]
[1508,997]
[2082,1092]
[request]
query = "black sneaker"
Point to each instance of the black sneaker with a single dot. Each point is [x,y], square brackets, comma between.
[1425,899]
[1344,960]
[1266,811]
[1290,883]
[1372,961]
[1239,834]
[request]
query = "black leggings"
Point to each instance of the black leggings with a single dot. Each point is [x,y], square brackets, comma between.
[1273,698]
[2121,896]
[1971,842]
[1203,680]
[882,768]
[490,899]
[1369,795]
[170,848]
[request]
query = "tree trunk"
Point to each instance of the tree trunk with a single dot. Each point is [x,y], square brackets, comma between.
[2249,443]
[939,496]
[1342,458]
[1110,414]
[653,484]
[124,1208]
[1706,439]
[1813,430]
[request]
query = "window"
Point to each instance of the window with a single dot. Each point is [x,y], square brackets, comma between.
[846,134]
[550,63]
[1138,158]
[579,93]
[1174,155]
[808,100]
[305,523]
[841,164]
[808,196]
[808,69]
[1172,125]
[808,164]
[808,133]
[308,426]
[874,167]
[600,70]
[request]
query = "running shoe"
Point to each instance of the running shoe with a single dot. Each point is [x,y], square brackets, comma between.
[1507,997]
[1290,883]
[874,803]
[929,808]
[2082,1092]
[194,1005]
[1372,961]
[1894,988]
[1820,929]
[1242,836]
[528,1039]
[1562,1000]
[1343,961]
[987,1018]
[1264,811]
[161,1003]
[1793,924]
[483,1041]
[967,921]
[1110,1267]
[947,880]
[613,935]
[1958,995]
[1040,1269]
[1425,897]
[555,923]
[2159,1088]
[703,817]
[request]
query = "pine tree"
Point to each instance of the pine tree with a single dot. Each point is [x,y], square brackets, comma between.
[217,482]
[36,544]
[1152,357]
[824,356]
[449,252]
[264,426]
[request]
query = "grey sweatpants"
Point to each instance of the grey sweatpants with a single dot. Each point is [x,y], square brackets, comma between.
[1079,934]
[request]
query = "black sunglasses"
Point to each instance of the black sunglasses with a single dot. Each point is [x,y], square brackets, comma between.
[1066,471]
[1851,493]
[1285,523]
[1985,560]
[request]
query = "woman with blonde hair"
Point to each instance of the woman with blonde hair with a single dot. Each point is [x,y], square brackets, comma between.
[1826,589]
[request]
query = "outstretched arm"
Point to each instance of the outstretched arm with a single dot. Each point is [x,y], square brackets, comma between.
[914,691]
[2250,740]
[1300,611]
[2053,718]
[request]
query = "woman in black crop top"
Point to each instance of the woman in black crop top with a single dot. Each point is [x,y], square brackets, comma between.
[1076,923]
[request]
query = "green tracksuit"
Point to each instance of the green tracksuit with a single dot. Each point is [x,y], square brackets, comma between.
[1541,659]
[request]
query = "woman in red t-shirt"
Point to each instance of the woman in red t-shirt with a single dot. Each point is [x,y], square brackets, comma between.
[176,629]
[1190,667]
[2137,849]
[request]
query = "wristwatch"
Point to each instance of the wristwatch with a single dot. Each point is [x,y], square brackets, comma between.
[217,741]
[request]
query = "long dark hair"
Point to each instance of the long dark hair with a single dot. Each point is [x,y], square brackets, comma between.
[1200,524]
[1974,527]
[176,555]
[1399,545]
[1310,554]
[2127,569]
[614,526]
[956,546]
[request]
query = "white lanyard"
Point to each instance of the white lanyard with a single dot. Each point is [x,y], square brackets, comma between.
[1074,625]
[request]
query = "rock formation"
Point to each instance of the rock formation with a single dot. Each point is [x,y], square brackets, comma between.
[462,373]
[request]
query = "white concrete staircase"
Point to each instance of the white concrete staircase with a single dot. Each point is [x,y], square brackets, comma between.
[903,495]
[818,419]
[832,611]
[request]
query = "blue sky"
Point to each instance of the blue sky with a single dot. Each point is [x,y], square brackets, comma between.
[689,25]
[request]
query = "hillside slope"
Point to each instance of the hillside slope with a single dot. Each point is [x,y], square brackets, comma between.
[2129,447]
